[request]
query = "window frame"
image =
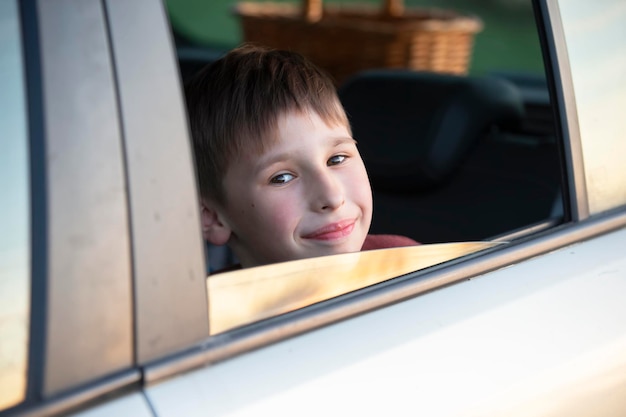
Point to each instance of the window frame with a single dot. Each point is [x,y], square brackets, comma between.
[169,274]
[566,112]
[46,393]
[160,333]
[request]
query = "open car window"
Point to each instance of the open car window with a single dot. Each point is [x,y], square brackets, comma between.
[459,160]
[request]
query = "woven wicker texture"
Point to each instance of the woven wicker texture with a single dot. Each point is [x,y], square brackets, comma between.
[347,39]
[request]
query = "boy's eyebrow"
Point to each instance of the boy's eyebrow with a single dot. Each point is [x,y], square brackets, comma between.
[284,156]
[343,139]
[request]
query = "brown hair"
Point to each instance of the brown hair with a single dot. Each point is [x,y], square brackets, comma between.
[234,104]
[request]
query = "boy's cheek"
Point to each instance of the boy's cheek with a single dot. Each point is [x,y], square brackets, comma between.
[284,215]
[276,212]
[359,185]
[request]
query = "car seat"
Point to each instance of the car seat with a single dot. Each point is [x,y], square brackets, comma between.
[414,128]
[421,136]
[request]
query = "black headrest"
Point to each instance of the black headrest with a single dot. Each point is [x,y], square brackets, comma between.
[413,128]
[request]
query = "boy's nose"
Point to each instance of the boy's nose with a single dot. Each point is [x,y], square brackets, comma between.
[327,193]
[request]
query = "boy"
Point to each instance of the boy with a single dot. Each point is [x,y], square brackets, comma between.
[280,175]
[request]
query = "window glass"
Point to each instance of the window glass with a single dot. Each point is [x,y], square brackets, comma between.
[596,42]
[241,297]
[453,156]
[14,220]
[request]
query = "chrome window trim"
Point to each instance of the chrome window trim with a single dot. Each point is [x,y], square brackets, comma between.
[566,106]
[171,310]
[238,341]
[87,245]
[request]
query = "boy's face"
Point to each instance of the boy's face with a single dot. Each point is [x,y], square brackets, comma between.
[306,195]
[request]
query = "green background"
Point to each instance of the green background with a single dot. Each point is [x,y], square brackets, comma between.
[508,42]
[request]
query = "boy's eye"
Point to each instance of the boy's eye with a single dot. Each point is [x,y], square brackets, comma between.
[336,160]
[281,178]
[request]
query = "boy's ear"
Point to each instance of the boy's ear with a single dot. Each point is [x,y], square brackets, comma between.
[214,229]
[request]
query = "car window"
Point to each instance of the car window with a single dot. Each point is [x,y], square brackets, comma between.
[596,42]
[502,181]
[14,220]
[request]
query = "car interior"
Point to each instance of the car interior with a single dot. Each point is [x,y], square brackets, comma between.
[449,156]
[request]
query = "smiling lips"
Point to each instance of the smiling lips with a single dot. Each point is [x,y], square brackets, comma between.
[332,231]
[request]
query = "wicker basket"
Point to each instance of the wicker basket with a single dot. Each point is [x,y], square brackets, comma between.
[351,38]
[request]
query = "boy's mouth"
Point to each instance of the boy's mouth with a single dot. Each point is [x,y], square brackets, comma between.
[332,231]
